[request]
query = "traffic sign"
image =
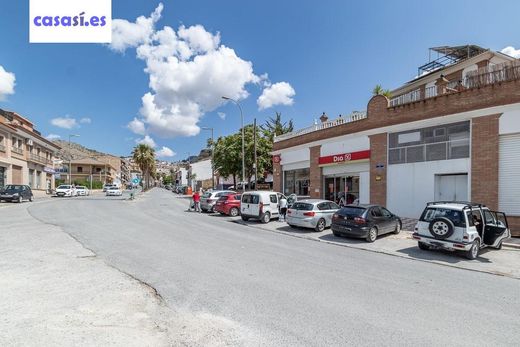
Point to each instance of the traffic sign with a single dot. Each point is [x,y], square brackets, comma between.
[136,180]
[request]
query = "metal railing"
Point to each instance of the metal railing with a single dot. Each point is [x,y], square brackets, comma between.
[353,117]
[17,150]
[442,150]
[39,158]
[488,75]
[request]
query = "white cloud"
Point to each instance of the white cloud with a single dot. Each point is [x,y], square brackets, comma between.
[165,152]
[510,50]
[189,71]
[129,35]
[147,140]
[52,137]
[280,93]
[137,127]
[85,120]
[64,122]
[7,83]
[222,115]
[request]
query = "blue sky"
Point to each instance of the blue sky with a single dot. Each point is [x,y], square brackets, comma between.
[331,53]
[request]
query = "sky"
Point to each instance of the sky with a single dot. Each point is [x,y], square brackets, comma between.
[162,77]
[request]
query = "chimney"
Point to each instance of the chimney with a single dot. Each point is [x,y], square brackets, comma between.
[324,117]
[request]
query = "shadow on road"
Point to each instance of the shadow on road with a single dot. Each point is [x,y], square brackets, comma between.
[452,257]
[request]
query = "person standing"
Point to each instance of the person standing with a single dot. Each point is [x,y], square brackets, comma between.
[283,208]
[196,201]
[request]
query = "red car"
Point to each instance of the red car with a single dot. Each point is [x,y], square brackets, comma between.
[228,205]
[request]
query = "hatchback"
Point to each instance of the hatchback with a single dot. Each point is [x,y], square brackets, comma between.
[228,205]
[16,192]
[366,221]
[209,199]
[312,213]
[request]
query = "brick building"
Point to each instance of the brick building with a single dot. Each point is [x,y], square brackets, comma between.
[453,133]
[25,156]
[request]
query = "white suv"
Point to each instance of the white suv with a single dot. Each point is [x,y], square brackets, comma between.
[461,226]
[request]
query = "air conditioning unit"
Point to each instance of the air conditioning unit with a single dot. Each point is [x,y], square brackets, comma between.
[29,142]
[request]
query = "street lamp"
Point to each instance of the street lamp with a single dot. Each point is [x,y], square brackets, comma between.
[70,158]
[243,146]
[212,157]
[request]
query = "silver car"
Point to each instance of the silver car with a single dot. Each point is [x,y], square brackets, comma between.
[209,199]
[312,213]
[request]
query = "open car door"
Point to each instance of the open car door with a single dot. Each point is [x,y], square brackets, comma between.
[496,228]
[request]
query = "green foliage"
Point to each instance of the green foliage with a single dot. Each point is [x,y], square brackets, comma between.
[276,127]
[378,90]
[144,157]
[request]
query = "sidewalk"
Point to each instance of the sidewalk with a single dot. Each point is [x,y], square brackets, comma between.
[55,292]
[504,262]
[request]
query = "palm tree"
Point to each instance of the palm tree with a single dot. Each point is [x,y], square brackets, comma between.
[275,127]
[144,157]
[378,90]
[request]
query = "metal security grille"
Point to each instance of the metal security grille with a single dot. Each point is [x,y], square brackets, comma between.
[509,174]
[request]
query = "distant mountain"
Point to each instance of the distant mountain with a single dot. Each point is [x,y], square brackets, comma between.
[77,151]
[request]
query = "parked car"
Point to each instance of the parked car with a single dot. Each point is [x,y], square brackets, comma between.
[82,191]
[460,226]
[66,190]
[16,192]
[114,191]
[228,204]
[261,205]
[209,199]
[312,213]
[106,186]
[365,221]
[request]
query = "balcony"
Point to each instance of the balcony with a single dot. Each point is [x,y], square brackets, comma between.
[17,150]
[39,159]
[485,76]
[353,117]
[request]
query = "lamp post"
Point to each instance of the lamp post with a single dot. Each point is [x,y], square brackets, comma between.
[243,145]
[70,158]
[212,158]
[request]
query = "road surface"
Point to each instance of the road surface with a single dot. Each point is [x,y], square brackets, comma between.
[255,287]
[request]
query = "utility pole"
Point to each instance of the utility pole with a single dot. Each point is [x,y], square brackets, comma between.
[256,161]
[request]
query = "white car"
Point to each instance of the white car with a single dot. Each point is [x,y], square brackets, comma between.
[114,191]
[261,205]
[66,190]
[460,226]
[107,186]
[82,191]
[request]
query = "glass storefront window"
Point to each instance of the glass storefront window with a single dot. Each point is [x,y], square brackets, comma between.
[2,177]
[296,182]
[343,190]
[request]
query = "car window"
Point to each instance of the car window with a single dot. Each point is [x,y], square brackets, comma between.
[334,206]
[375,212]
[500,218]
[323,206]
[385,212]
[250,199]
[273,198]
[237,197]
[469,219]
[302,206]
[352,211]
[456,217]
[488,217]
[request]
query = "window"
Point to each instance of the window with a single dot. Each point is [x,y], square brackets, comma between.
[297,182]
[334,206]
[434,143]
[375,212]
[324,206]
[250,198]
[273,198]
[385,212]
[80,169]
[457,217]
[302,206]
[488,217]
[98,169]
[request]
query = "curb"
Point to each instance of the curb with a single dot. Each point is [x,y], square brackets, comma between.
[511,245]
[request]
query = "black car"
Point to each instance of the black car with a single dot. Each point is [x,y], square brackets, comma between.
[366,221]
[16,192]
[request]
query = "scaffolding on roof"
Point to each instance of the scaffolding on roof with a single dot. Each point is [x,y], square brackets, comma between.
[448,55]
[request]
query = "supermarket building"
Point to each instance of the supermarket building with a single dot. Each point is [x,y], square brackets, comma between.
[453,133]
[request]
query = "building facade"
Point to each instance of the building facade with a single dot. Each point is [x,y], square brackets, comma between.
[104,169]
[25,156]
[451,134]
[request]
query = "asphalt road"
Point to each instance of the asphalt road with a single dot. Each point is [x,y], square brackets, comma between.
[263,288]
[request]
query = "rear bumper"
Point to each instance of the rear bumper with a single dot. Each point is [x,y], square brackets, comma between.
[221,208]
[350,230]
[443,244]
[301,222]
[206,206]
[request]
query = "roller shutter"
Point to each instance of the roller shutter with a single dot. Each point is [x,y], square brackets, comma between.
[509,174]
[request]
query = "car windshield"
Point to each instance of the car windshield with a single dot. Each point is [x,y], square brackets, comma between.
[13,187]
[352,211]
[302,206]
[457,217]
[113,188]
[81,187]
[64,187]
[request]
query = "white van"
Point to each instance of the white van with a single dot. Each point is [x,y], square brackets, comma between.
[260,205]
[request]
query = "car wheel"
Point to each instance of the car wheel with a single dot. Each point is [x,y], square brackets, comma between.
[20,199]
[266,218]
[472,253]
[397,228]
[441,228]
[423,246]
[372,234]
[233,212]
[320,226]
[245,219]
[31,198]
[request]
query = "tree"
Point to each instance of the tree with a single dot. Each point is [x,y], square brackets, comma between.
[276,127]
[144,157]
[228,156]
[378,90]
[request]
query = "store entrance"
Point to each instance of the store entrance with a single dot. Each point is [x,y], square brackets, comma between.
[343,190]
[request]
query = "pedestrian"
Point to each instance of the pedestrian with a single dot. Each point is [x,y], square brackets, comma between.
[283,209]
[196,201]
